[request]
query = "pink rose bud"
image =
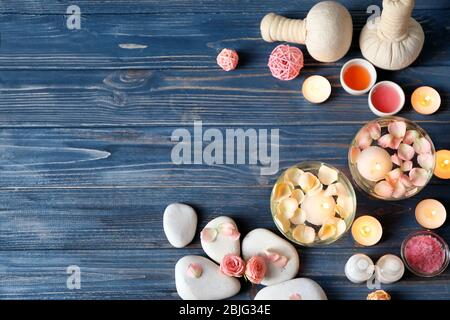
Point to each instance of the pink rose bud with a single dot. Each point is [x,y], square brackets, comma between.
[232,266]
[255,270]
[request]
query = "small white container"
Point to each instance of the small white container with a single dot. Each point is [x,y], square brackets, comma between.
[399,91]
[368,66]
[389,269]
[359,268]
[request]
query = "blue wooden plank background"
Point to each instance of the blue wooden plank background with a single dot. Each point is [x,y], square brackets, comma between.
[85,126]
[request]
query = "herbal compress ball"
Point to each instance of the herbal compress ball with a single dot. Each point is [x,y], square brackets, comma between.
[326,31]
[394,40]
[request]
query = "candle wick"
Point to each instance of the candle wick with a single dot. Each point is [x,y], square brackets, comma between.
[433,212]
[325,205]
[377,166]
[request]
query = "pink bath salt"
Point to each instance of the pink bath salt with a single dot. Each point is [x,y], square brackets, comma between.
[425,254]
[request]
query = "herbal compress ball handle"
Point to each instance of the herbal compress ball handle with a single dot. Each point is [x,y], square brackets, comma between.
[394,40]
[326,31]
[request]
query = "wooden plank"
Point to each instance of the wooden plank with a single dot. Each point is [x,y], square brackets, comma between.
[131,218]
[179,97]
[194,40]
[187,6]
[141,156]
[148,274]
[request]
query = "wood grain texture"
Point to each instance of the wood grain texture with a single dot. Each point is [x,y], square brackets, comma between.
[180,41]
[85,127]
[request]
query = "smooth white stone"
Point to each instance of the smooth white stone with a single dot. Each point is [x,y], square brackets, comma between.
[256,242]
[359,268]
[389,269]
[307,289]
[180,224]
[223,244]
[211,285]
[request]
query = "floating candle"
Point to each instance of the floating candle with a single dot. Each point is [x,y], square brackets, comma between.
[316,89]
[358,76]
[442,169]
[367,230]
[426,100]
[430,213]
[319,208]
[389,269]
[386,98]
[425,253]
[374,163]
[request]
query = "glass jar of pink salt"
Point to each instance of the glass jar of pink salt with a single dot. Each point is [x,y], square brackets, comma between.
[425,253]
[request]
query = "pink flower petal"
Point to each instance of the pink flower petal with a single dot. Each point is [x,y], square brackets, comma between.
[410,136]
[396,160]
[418,176]
[374,129]
[235,235]
[194,270]
[384,189]
[385,141]
[295,296]
[363,140]
[426,161]
[422,145]
[397,129]
[406,181]
[393,176]
[399,190]
[208,234]
[407,166]
[276,258]
[395,143]
[354,153]
[411,192]
[281,263]
[405,152]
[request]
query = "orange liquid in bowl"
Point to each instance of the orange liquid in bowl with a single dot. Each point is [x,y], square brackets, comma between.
[357,77]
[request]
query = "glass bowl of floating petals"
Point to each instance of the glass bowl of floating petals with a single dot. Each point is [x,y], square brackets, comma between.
[313,203]
[391,158]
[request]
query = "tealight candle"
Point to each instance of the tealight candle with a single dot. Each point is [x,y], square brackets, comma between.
[426,100]
[374,163]
[430,213]
[442,169]
[367,230]
[316,89]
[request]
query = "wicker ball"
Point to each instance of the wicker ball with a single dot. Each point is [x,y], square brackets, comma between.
[285,62]
[228,59]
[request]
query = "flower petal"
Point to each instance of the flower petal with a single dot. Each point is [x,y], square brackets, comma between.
[327,175]
[304,234]
[283,223]
[194,270]
[406,166]
[308,181]
[393,176]
[353,154]
[208,234]
[282,191]
[405,152]
[226,228]
[385,141]
[374,129]
[287,207]
[418,176]
[422,145]
[363,139]
[295,296]
[397,129]
[299,216]
[426,161]
[396,160]
[384,189]
[395,143]
[327,231]
[298,195]
[410,136]
[406,181]
[292,175]
[399,190]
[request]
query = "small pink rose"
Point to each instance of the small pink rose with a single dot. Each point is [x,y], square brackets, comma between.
[232,265]
[255,270]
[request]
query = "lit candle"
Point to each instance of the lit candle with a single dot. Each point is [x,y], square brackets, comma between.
[374,163]
[367,230]
[442,169]
[430,214]
[426,100]
[316,89]
[319,208]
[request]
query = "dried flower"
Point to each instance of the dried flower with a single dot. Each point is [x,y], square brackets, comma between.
[379,295]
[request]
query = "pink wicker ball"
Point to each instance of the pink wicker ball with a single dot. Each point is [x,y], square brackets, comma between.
[228,59]
[285,62]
